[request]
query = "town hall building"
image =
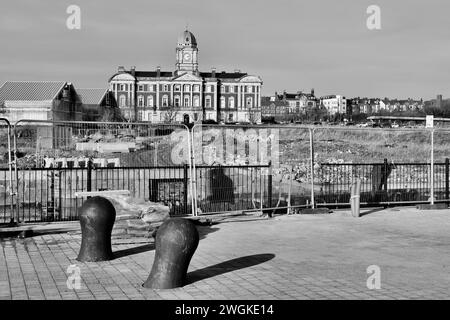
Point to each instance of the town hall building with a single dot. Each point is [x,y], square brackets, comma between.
[187,94]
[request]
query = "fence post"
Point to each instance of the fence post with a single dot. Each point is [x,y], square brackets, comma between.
[311,155]
[385,175]
[185,185]
[89,176]
[447,174]
[269,188]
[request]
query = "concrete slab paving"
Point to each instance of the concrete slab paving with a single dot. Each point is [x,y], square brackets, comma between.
[286,257]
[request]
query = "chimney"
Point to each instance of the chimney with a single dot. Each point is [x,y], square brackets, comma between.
[312,91]
[237,71]
[213,72]
[439,101]
[158,71]
[121,69]
[284,95]
[133,71]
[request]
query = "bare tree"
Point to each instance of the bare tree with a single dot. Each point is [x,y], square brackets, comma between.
[170,116]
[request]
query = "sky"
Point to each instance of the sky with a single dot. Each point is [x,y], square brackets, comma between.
[291,44]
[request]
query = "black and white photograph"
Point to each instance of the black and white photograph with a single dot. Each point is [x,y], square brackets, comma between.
[222,158]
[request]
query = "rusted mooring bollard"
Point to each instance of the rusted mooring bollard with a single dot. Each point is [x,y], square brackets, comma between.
[176,241]
[97,218]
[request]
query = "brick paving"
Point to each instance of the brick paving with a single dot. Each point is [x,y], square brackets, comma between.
[288,257]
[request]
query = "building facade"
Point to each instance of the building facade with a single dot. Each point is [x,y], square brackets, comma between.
[334,104]
[187,94]
[40,100]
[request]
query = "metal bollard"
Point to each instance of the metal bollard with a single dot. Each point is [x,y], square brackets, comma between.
[355,198]
[176,241]
[97,218]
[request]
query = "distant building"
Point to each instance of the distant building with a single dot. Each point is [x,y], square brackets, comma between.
[334,104]
[39,100]
[299,102]
[95,102]
[376,105]
[274,109]
[187,94]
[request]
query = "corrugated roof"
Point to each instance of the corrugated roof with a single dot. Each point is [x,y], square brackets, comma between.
[91,95]
[30,90]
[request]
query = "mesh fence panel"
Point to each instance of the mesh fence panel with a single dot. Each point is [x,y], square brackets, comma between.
[57,159]
[393,164]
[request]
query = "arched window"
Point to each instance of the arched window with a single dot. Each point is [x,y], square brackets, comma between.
[165,100]
[249,102]
[140,101]
[196,101]
[176,100]
[187,101]
[150,101]
[222,102]
[123,101]
[231,102]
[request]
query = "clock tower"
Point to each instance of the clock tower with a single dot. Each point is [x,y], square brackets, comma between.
[187,54]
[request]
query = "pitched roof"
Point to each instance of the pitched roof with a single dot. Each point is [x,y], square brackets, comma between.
[30,90]
[91,95]
[152,74]
[224,75]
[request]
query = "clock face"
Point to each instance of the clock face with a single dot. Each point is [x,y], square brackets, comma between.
[187,57]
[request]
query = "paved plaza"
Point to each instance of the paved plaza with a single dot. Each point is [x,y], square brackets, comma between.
[286,257]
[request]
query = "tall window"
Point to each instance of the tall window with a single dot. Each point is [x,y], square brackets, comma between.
[140,101]
[187,101]
[222,102]
[231,102]
[165,100]
[196,101]
[208,102]
[177,101]
[122,101]
[187,88]
[150,101]
[249,102]
[140,87]
[177,87]
[166,87]
[196,88]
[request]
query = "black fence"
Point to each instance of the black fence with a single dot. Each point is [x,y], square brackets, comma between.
[382,183]
[232,188]
[49,194]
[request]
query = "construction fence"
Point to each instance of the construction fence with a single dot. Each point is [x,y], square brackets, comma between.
[215,169]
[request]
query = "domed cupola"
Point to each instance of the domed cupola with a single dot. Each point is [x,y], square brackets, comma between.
[187,39]
[187,54]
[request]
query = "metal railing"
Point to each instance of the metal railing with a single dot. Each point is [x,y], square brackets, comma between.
[382,183]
